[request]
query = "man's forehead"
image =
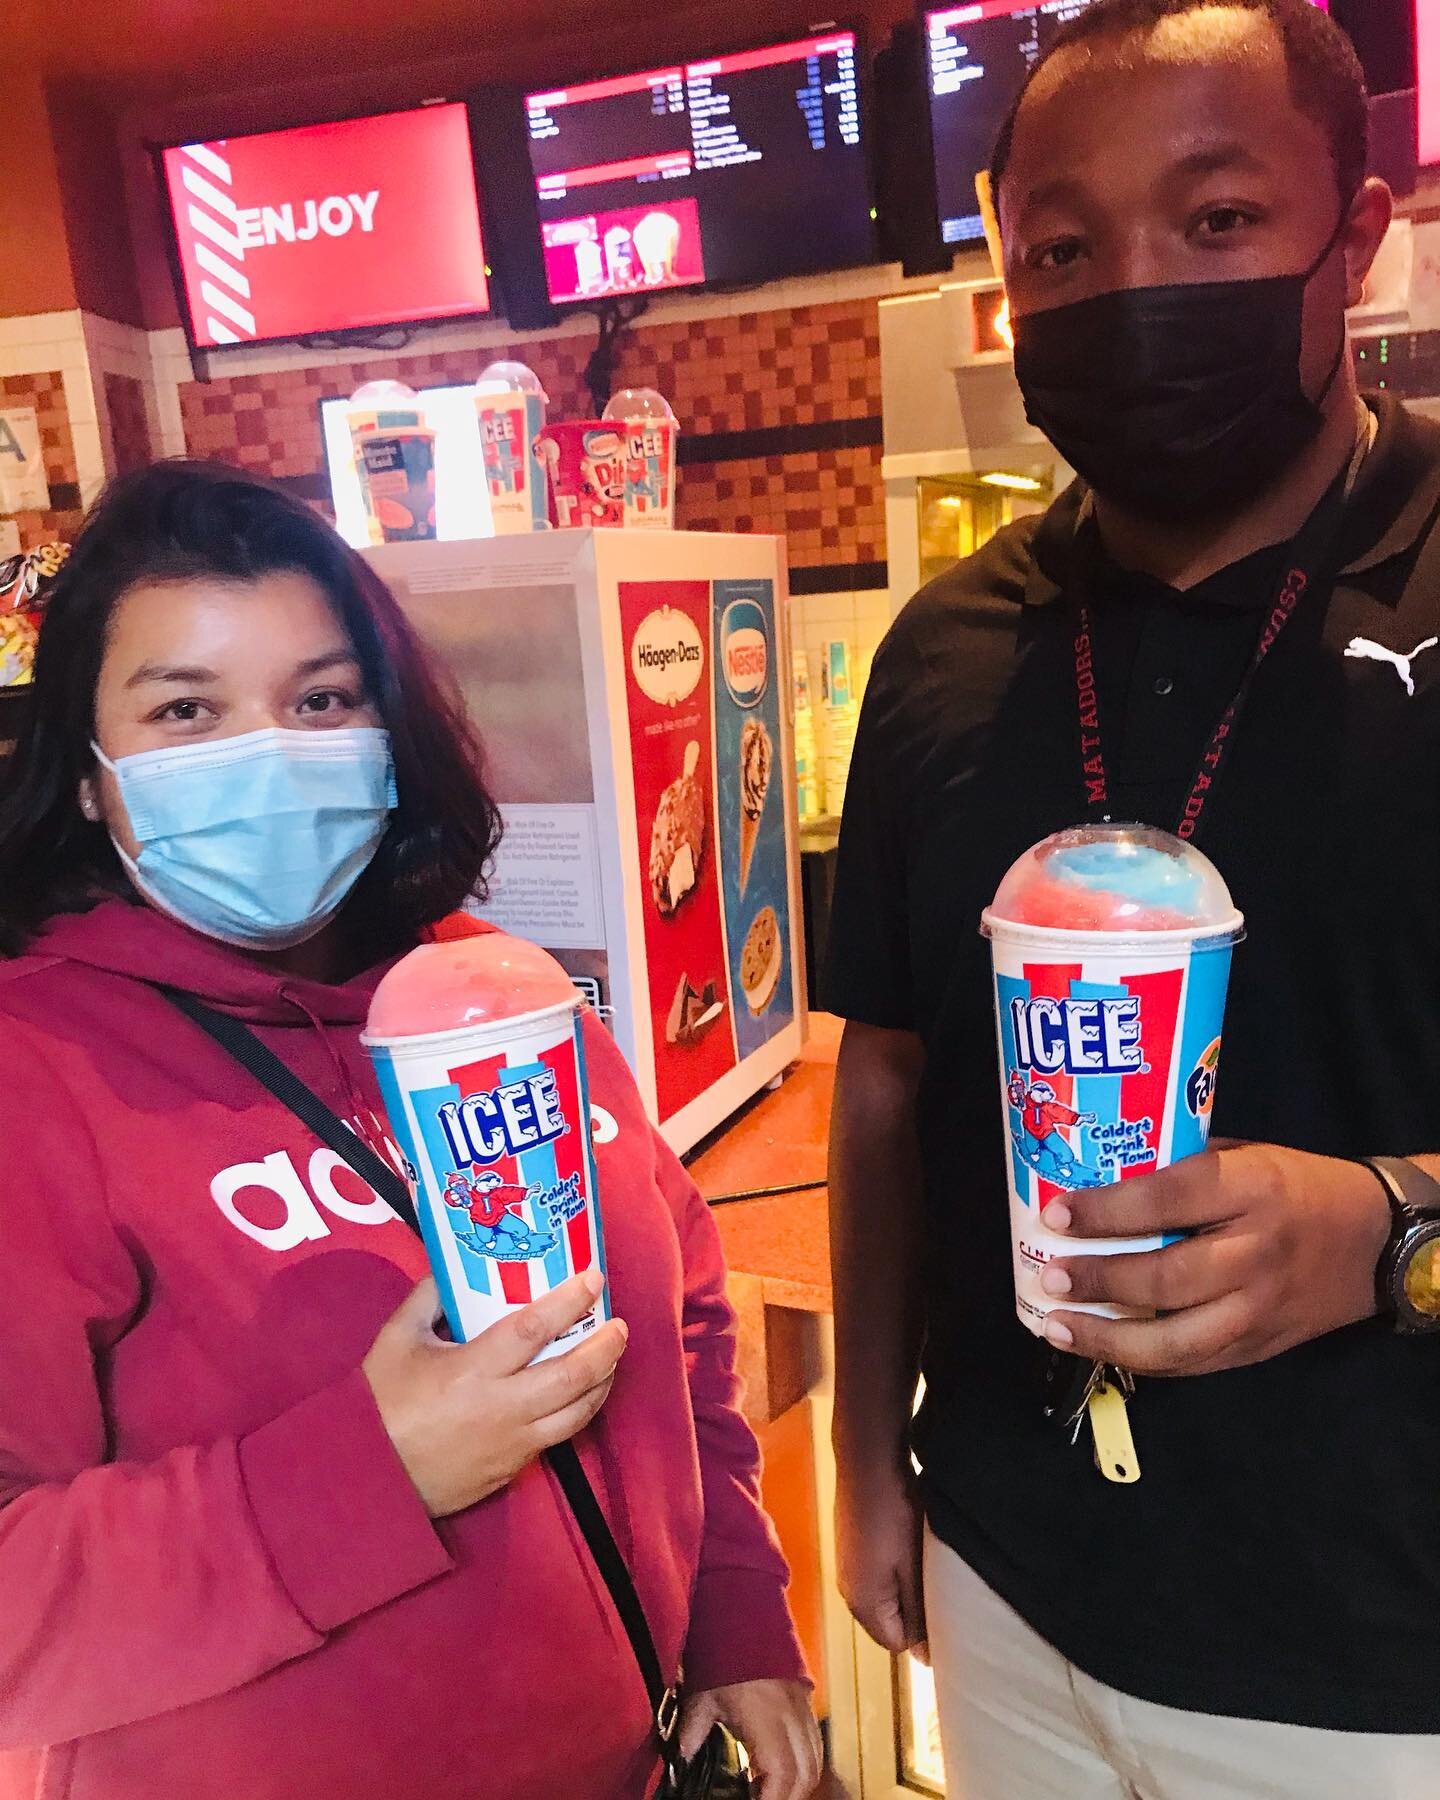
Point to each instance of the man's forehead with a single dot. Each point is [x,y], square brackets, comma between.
[1222,40]
[1224,101]
[1210,34]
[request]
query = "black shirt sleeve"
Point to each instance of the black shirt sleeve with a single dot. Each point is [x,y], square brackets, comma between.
[867,965]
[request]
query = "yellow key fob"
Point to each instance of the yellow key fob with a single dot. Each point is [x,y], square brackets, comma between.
[1115,1456]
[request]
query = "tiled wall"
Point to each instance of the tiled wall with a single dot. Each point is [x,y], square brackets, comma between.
[45,391]
[130,445]
[829,504]
[44,363]
[271,422]
[779,406]
[755,385]
[791,366]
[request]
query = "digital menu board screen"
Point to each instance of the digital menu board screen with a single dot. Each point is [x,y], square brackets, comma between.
[742,168]
[977,58]
[1427,39]
[325,228]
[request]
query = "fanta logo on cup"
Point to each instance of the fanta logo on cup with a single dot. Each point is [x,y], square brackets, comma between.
[745,652]
[667,656]
[1078,1037]
[1200,1088]
[504,1122]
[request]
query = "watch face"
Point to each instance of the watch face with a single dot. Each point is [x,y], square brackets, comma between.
[1420,1276]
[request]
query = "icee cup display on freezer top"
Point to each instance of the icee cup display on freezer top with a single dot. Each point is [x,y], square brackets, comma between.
[651,434]
[510,403]
[395,460]
[1111,950]
[479,1053]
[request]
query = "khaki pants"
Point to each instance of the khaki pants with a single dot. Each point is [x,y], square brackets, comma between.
[1018,1722]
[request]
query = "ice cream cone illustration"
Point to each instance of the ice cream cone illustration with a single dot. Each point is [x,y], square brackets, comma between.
[757,757]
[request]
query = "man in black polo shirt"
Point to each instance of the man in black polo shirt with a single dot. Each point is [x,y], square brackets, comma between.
[1186,219]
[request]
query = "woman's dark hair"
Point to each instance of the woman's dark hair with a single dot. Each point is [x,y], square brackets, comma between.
[181,521]
[1327,82]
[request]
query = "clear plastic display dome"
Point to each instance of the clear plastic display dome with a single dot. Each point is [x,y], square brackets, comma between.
[384,393]
[466,981]
[638,403]
[510,378]
[1121,878]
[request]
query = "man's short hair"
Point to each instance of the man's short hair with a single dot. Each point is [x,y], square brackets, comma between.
[1326,80]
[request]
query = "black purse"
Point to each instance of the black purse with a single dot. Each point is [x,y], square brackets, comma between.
[716,1771]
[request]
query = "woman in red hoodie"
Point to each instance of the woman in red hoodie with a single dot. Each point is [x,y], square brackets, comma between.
[263,1534]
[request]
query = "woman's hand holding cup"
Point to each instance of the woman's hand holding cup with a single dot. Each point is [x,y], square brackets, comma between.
[465,1419]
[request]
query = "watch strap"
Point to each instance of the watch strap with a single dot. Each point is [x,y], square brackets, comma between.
[1414,1198]
[1413,1195]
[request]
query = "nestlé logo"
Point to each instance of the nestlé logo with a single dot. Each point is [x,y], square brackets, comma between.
[745,652]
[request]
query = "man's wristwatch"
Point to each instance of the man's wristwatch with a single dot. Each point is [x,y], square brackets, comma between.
[1407,1277]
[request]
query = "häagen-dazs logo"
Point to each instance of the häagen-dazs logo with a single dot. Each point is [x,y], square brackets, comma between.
[667,656]
[745,652]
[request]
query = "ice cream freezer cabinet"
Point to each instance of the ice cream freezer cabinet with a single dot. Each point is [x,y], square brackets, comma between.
[629,691]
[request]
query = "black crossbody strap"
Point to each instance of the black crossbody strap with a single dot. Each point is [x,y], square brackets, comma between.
[236,1037]
[233,1035]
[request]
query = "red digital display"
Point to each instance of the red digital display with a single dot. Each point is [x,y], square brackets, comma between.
[1427,41]
[361,224]
[632,249]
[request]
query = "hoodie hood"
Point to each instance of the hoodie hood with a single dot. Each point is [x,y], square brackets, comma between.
[125,937]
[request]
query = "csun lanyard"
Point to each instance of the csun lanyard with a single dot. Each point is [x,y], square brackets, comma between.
[1307,561]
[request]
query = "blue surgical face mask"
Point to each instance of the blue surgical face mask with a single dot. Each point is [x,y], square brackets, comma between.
[256,840]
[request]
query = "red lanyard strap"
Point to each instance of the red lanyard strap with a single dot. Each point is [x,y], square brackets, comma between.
[1307,560]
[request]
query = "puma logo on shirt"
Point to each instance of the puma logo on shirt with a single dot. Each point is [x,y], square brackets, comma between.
[1366,648]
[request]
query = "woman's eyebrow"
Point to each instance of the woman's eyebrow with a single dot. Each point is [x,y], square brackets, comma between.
[148,672]
[329,659]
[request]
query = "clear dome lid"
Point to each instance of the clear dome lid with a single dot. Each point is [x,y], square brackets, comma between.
[384,393]
[510,378]
[1122,878]
[638,403]
[467,981]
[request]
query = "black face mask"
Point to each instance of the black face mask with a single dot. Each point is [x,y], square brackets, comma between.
[1178,403]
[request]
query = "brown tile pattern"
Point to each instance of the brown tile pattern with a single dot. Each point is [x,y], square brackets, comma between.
[129,426]
[46,393]
[746,372]
[271,423]
[830,504]
[755,369]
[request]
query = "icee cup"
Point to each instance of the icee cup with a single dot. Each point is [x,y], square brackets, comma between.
[1111,949]
[478,1050]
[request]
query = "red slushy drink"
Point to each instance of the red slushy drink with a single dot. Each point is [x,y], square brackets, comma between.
[478,1049]
[1111,946]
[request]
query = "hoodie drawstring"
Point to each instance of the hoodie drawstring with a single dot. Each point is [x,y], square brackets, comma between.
[361,1112]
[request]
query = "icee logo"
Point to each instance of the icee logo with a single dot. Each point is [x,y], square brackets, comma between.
[1078,1037]
[506,1121]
